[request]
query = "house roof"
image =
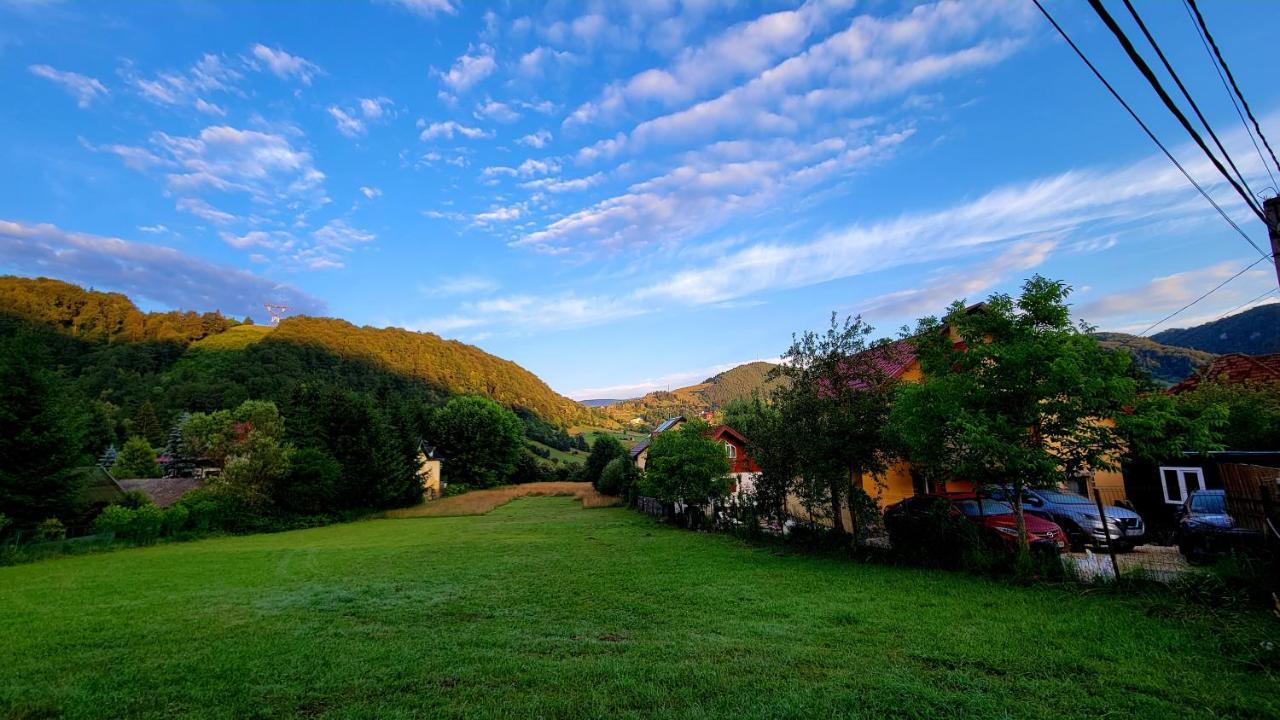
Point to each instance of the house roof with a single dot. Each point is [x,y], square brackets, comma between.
[639,448]
[668,424]
[1234,369]
[99,487]
[720,431]
[162,491]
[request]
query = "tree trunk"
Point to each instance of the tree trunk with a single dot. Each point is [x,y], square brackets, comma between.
[855,484]
[837,522]
[1021,519]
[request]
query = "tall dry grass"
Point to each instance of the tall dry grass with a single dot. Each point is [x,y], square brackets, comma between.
[479,502]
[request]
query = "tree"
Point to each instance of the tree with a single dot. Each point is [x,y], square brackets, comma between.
[772,445]
[685,466]
[311,485]
[836,404]
[1014,393]
[41,435]
[605,449]
[480,439]
[618,477]
[136,460]
[255,467]
[147,425]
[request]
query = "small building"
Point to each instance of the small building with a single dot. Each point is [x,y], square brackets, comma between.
[1234,369]
[640,451]
[1156,491]
[742,466]
[163,491]
[430,467]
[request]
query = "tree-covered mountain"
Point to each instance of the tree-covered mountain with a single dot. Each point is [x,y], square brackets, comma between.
[1165,363]
[709,395]
[1253,332]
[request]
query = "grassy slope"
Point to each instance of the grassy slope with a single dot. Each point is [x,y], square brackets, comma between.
[737,383]
[541,608]
[236,338]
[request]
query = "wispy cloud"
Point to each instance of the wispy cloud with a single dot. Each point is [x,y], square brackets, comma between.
[153,272]
[83,88]
[469,69]
[285,66]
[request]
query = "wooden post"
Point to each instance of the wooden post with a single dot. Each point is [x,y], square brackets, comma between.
[1106,533]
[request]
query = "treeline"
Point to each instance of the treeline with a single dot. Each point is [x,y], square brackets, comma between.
[81,371]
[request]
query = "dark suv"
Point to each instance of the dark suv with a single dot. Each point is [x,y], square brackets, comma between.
[1205,528]
[1078,517]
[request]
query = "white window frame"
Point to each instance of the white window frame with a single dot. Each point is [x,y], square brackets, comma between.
[1182,472]
[731,451]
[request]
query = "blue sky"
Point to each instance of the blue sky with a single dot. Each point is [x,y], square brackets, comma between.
[619,196]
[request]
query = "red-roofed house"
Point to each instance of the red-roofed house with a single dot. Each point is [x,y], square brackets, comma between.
[1234,369]
[741,465]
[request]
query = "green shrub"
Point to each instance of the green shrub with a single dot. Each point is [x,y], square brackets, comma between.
[311,485]
[115,519]
[617,478]
[134,499]
[148,521]
[4,523]
[200,515]
[939,540]
[455,489]
[175,519]
[51,530]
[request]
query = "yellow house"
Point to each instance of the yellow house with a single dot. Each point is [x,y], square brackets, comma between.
[429,467]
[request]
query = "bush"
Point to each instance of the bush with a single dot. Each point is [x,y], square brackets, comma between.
[617,478]
[4,523]
[455,489]
[938,540]
[530,470]
[114,519]
[175,519]
[148,521]
[51,530]
[133,499]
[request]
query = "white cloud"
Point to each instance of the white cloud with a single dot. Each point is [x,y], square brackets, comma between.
[470,68]
[1135,309]
[493,110]
[150,272]
[534,63]
[558,185]
[370,192]
[448,129]
[209,74]
[499,214]
[205,211]
[426,8]
[347,125]
[528,168]
[742,49]
[537,139]
[264,165]
[286,66]
[375,108]
[460,285]
[153,229]
[85,89]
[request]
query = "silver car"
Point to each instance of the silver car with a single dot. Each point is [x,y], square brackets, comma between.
[1078,516]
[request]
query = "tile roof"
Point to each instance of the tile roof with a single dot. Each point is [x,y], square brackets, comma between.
[639,448]
[1234,369]
[162,491]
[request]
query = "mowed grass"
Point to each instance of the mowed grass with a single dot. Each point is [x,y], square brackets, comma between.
[478,502]
[543,609]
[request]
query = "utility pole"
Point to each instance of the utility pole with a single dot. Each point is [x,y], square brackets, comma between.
[1271,208]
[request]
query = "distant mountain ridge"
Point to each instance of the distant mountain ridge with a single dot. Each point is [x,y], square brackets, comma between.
[709,395]
[1253,332]
[599,402]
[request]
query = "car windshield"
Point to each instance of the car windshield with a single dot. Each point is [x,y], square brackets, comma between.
[989,507]
[1061,498]
[1209,504]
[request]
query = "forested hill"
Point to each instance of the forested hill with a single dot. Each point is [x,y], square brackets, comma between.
[449,364]
[710,394]
[1253,332]
[188,361]
[1165,363]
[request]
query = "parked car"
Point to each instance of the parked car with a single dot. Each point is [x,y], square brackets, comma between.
[1206,529]
[994,519]
[1078,516]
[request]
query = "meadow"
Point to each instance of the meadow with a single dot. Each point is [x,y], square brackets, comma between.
[541,608]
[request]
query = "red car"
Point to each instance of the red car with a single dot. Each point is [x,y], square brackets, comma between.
[994,516]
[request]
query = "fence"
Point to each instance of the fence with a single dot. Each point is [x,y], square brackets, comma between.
[1250,493]
[651,506]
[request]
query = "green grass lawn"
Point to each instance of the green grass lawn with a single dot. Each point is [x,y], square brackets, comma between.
[543,609]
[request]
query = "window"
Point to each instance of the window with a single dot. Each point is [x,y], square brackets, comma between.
[730,451]
[1178,482]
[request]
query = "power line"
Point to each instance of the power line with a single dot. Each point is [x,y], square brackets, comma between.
[1234,102]
[1098,74]
[1152,80]
[1246,304]
[1216,288]
[1186,94]
[1223,61]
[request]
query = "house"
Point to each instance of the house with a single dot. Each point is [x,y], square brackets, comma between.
[429,471]
[741,465]
[1234,369]
[898,361]
[640,451]
[163,491]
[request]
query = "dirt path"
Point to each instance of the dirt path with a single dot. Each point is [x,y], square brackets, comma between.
[479,502]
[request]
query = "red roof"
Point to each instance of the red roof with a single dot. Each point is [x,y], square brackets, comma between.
[1234,369]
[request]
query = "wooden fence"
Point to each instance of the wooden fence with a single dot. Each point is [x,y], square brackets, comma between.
[1251,493]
